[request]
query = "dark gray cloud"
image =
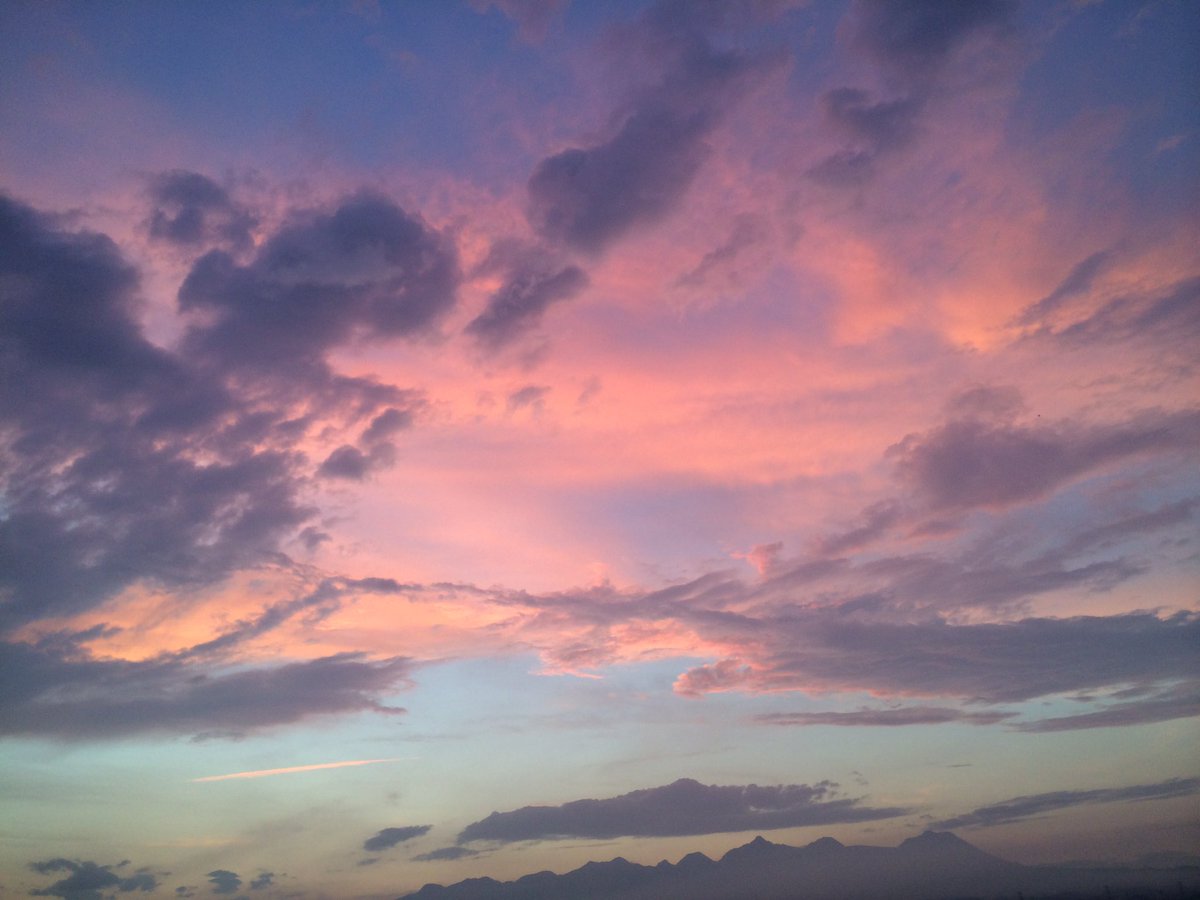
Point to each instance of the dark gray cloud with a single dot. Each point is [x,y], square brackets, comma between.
[445,853]
[262,880]
[1020,808]
[914,39]
[352,464]
[67,697]
[968,463]
[88,880]
[390,837]
[900,716]
[587,197]
[192,210]
[685,807]
[119,461]
[224,882]
[365,270]
[520,302]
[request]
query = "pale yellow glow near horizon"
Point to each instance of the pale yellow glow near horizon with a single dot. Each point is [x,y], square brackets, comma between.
[263,773]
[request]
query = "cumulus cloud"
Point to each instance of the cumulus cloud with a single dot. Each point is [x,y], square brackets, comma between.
[224,882]
[685,807]
[900,716]
[262,880]
[55,695]
[390,837]
[192,210]
[365,270]
[87,880]
[587,197]
[1020,808]
[120,461]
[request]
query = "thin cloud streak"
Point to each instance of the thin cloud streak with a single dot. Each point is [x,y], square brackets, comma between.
[289,770]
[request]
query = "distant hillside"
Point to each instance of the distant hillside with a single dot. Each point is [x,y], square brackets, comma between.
[933,866]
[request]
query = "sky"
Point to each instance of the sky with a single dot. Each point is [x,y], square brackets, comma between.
[454,439]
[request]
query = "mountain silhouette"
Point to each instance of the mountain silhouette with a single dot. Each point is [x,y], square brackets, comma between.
[933,866]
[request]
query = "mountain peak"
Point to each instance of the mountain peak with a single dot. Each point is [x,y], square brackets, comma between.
[825,843]
[935,839]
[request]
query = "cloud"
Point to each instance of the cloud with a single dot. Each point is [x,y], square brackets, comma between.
[685,807]
[906,715]
[1179,702]
[747,232]
[587,197]
[224,882]
[262,880]
[874,521]
[390,837]
[288,770]
[873,128]
[89,880]
[1020,808]
[1169,318]
[821,649]
[365,270]
[914,40]
[529,397]
[122,462]
[445,853]
[519,304]
[1078,281]
[192,210]
[50,694]
[969,463]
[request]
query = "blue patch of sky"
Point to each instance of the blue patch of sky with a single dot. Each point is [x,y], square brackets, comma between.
[1139,61]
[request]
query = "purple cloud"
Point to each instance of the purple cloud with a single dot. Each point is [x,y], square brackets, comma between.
[969,462]
[887,718]
[390,837]
[192,210]
[685,807]
[1020,808]
[519,304]
[587,197]
[55,695]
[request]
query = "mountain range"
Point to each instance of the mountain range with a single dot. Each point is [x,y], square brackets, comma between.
[933,866]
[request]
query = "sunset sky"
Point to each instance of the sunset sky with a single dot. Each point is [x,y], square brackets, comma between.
[751,417]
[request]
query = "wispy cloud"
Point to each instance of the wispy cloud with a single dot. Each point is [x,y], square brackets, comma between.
[289,770]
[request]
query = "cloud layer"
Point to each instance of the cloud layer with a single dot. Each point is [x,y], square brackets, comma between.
[681,808]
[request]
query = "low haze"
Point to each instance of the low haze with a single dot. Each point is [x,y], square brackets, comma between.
[456,439]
